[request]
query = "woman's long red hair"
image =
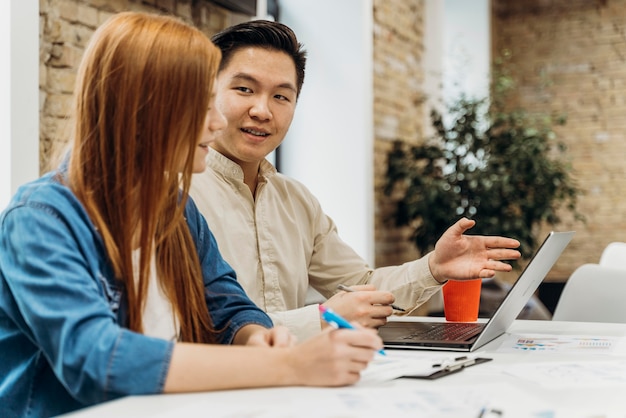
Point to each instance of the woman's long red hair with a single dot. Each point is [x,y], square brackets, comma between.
[142,94]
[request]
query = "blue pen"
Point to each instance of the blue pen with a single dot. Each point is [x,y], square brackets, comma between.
[337,321]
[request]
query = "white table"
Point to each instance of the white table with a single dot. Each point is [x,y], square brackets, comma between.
[491,383]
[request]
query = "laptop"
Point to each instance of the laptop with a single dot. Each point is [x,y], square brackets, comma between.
[469,336]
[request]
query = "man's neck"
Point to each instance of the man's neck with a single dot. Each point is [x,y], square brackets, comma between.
[251,175]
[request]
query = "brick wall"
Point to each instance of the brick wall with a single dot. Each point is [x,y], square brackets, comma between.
[65,27]
[570,56]
[398,112]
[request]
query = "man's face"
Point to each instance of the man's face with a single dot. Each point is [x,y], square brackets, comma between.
[256,93]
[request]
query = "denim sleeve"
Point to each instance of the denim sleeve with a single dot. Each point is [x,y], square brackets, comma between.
[49,259]
[229,306]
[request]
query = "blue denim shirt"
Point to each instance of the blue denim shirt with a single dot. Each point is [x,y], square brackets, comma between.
[63,344]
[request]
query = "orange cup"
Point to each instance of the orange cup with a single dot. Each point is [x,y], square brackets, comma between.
[461,300]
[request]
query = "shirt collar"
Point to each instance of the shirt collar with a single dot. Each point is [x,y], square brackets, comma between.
[230,169]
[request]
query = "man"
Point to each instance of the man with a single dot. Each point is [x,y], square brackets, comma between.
[272,230]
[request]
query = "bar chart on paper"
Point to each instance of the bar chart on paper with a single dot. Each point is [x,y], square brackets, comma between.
[561,343]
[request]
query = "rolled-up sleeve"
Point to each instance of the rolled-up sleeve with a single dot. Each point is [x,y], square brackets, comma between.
[334,262]
[303,322]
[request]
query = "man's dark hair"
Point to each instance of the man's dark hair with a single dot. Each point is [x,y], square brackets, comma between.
[263,34]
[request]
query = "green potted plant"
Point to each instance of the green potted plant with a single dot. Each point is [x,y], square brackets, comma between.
[503,168]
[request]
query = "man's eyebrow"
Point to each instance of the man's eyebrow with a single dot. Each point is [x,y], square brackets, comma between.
[244,76]
[249,78]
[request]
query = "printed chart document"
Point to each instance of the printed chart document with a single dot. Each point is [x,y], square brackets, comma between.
[345,402]
[485,401]
[564,344]
[562,375]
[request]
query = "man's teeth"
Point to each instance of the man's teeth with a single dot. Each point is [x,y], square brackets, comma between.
[253,132]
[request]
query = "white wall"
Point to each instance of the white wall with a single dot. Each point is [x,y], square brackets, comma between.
[433,60]
[19,100]
[330,144]
[5,102]
[467,47]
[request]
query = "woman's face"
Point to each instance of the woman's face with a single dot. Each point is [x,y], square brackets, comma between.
[214,121]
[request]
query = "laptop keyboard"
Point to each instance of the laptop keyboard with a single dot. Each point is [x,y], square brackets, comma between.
[446,332]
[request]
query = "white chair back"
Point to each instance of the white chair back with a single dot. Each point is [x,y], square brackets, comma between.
[614,255]
[593,293]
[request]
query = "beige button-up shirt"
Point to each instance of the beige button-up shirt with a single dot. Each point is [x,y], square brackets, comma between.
[281,241]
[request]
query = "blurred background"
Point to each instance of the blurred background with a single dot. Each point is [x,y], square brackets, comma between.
[376,70]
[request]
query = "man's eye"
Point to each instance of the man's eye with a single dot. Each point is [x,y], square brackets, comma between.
[243,89]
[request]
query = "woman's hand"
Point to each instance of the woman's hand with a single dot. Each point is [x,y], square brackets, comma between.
[335,357]
[279,336]
[269,358]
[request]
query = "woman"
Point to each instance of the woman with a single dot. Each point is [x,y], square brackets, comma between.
[111,283]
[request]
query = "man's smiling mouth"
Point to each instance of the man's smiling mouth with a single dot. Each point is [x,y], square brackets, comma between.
[254,132]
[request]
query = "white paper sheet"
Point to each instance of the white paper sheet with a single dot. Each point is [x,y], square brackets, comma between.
[563,343]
